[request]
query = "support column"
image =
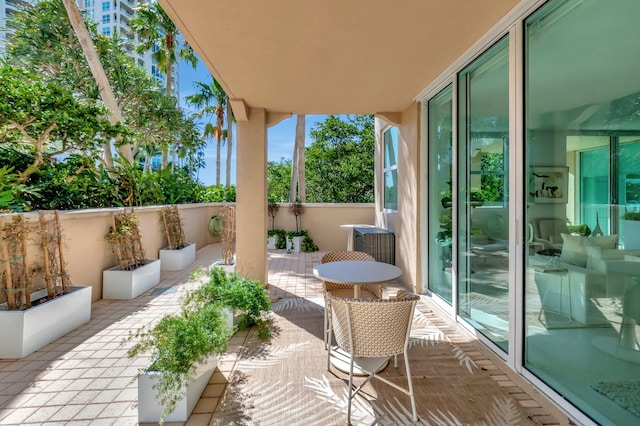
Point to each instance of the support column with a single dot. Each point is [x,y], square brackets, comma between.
[251,196]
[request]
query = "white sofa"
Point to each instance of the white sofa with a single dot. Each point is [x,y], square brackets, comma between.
[589,268]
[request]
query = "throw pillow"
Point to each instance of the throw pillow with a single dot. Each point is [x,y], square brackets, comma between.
[604,242]
[573,251]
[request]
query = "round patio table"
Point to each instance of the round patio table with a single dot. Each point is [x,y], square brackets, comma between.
[357,273]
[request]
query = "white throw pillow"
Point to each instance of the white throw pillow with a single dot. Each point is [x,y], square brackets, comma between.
[604,242]
[573,250]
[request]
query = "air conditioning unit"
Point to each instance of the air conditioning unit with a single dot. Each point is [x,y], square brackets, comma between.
[379,243]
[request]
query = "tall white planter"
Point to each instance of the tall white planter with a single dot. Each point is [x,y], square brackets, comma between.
[176,260]
[23,332]
[294,244]
[119,284]
[150,410]
[271,242]
[631,234]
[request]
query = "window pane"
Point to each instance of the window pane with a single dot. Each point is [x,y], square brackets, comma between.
[582,118]
[439,208]
[391,147]
[483,210]
[391,190]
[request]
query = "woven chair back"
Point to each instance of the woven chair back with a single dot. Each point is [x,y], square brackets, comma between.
[337,256]
[373,328]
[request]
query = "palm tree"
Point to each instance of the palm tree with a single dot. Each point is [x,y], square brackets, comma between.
[297,189]
[158,33]
[212,101]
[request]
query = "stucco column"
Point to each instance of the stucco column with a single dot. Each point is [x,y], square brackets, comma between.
[251,196]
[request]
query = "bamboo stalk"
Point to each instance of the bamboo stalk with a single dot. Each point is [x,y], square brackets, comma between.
[167,231]
[63,269]
[26,294]
[7,272]
[45,251]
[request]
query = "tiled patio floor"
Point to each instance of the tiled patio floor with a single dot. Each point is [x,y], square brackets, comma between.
[86,378]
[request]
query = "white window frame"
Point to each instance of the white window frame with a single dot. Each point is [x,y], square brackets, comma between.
[389,169]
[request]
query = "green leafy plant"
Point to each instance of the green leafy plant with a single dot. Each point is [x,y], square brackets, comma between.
[307,244]
[281,241]
[178,344]
[631,216]
[246,296]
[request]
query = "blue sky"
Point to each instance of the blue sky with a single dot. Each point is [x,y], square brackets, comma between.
[280,137]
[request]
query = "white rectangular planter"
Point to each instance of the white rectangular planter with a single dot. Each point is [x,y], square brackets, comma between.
[119,284]
[293,244]
[271,242]
[24,332]
[176,260]
[149,410]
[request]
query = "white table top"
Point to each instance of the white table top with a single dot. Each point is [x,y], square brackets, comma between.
[356,272]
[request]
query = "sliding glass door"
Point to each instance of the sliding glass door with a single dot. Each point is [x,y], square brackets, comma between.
[483,202]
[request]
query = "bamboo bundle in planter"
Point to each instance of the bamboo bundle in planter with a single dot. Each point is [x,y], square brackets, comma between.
[55,274]
[15,279]
[125,237]
[172,227]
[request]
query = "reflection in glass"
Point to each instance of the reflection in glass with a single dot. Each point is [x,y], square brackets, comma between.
[483,219]
[582,112]
[440,203]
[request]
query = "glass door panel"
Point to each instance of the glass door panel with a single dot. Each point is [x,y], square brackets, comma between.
[483,219]
[440,109]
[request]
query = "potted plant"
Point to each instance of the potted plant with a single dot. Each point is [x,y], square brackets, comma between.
[247,300]
[631,228]
[178,253]
[272,239]
[134,273]
[35,315]
[183,348]
[281,239]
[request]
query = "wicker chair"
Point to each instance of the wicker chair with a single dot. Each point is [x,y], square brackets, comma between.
[345,290]
[371,347]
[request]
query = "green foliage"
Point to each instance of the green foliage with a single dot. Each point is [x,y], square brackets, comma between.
[178,344]
[244,295]
[279,180]
[281,242]
[631,216]
[39,117]
[307,244]
[218,194]
[339,163]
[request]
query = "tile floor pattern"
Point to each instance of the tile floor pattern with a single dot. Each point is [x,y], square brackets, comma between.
[86,378]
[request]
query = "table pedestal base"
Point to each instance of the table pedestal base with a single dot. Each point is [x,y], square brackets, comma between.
[342,361]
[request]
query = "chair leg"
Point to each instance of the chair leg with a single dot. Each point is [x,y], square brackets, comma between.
[411,395]
[329,335]
[351,394]
[325,329]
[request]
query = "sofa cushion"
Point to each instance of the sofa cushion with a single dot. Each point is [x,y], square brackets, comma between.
[573,250]
[605,242]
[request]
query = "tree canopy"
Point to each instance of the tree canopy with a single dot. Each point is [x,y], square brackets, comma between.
[339,163]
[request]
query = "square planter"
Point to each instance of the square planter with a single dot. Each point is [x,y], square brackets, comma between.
[24,332]
[294,244]
[176,260]
[271,242]
[119,284]
[150,410]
